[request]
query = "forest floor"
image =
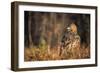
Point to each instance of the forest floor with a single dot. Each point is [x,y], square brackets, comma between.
[37,54]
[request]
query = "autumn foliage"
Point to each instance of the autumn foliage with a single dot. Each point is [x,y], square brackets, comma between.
[44,32]
[37,54]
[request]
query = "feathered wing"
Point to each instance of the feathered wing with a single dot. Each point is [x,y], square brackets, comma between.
[71,45]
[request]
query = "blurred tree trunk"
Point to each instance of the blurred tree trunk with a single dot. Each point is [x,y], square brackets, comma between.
[49,32]
[43,23]
[63,25]
[29,30]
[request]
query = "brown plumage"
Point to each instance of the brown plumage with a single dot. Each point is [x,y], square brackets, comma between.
[70,42]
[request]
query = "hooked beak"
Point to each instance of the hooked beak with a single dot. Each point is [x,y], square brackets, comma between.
[68,28]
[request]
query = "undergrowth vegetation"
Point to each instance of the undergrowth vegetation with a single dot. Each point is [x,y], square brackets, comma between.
[44,54]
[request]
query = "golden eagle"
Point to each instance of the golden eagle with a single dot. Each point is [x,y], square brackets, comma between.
[70,43]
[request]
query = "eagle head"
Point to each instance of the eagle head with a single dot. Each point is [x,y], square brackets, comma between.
[72,28]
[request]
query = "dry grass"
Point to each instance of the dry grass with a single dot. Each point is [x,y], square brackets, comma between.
[37,54]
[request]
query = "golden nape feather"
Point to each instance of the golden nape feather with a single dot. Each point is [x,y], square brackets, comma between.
[73,28]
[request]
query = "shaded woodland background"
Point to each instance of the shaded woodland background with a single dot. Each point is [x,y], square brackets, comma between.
[43,32]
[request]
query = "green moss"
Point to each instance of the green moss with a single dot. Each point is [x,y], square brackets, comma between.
[42,44]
